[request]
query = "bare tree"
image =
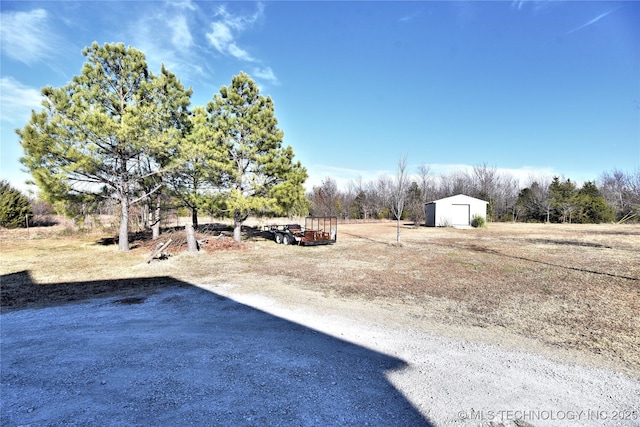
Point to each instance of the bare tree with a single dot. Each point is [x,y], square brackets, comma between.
[506,197]
[622,191]
[499,189]
[633,195]
[373,201]
[484,181]
[535,201]
[347,200]
[324,198]
[634,185]
[456,182]
[383,189]
[398,193]
[427,186]
[614,185]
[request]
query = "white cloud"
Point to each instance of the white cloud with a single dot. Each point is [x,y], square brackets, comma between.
[592,21]
[181,36]
[222,40]
[26,36]
[228,27]
[165,37]
[238,53]
[343,176]
[265,73]
[524,175]
[220,36]
[17,101]
[536,5]
[183,4]
[410,17]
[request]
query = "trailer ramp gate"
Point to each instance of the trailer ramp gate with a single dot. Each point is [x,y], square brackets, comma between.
[320,231]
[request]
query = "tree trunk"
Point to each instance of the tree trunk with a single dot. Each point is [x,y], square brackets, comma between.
[155,229]
[192,243]
[145,213]
[237,231]
[238,220]
[123,238]
[194,217]
[398,230]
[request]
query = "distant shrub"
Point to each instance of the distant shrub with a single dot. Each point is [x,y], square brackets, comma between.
[478,221]
[385,213]
[14,206]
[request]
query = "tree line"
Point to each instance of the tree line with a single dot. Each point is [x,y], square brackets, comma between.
[117,133]
[120,136]
[615,196]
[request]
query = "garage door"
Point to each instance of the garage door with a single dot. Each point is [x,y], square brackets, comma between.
[460,214]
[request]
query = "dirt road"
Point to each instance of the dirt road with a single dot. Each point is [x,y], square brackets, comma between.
[228,355]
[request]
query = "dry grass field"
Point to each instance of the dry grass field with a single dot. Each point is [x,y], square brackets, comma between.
[563,288]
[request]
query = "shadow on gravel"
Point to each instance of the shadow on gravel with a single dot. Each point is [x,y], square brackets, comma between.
[175,354]
[18,291]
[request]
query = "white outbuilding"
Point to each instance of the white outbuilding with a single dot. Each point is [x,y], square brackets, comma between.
[454,211]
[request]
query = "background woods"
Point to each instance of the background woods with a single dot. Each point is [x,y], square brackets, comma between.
[615,196]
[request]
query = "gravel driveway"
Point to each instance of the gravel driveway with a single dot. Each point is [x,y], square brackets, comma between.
[191,356]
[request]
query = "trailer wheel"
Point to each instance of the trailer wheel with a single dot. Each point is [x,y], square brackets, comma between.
[278,238]
[286,239]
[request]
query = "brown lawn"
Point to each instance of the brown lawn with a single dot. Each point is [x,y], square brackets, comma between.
[572,288]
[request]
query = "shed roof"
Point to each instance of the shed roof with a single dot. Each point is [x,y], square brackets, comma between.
[458,198]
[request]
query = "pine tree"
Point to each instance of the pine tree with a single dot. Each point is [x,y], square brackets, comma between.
[201,164]
[15,207]
[592,207]
[415,204]
[109,133]
[563,199]
[258,175]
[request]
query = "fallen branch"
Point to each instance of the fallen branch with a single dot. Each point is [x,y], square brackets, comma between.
[158,250]
[627,217]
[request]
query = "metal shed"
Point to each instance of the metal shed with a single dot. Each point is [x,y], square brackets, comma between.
[454,211]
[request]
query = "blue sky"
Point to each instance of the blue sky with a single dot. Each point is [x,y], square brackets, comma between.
[533,88]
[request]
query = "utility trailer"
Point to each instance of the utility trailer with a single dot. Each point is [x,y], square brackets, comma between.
[317,230]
